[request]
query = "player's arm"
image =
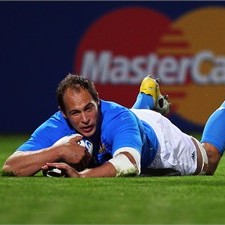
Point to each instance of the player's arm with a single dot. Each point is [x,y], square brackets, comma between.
[124,163]
[28,163]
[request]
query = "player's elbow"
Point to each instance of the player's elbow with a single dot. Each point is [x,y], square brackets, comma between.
[13,166]
[125,165]
[214,157]
[8,169]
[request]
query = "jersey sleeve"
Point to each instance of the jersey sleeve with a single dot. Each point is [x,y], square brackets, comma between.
[124,130]
[47,133]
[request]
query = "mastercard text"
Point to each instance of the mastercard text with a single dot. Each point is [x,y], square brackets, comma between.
[105,67]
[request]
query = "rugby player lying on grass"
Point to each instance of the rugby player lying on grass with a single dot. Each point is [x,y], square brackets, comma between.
[126,141]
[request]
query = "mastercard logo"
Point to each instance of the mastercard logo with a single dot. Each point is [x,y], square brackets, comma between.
[188,55]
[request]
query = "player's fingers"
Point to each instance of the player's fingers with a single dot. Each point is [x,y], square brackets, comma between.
[76,138]
[57,165]
[45,167]
[69,170]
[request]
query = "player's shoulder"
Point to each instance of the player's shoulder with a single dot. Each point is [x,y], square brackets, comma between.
[113,113]
[109,105]
[57,116]
[111,109]
[55,121]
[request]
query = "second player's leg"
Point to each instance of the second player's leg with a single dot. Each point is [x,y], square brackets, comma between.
[213,137]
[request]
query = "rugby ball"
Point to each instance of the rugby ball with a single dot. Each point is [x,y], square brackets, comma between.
[55,172]
[83,142]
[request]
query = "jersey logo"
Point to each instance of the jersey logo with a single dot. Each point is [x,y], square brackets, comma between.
[102,148]
[193,156]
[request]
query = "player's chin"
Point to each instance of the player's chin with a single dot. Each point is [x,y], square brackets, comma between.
[88,131]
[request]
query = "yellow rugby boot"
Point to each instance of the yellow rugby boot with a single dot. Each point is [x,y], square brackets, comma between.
[150,86]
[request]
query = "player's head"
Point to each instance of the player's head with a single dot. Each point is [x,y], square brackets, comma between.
[75,82]
[78,100]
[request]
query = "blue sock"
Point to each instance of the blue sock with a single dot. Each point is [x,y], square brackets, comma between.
[214,131]
[144,101]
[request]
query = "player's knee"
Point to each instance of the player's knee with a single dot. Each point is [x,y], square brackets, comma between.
[214,157]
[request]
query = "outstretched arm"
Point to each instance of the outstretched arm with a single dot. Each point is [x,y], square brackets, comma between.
[122,164]
[28,163]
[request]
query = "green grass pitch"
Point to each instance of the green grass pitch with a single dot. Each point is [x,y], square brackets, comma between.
[134,200]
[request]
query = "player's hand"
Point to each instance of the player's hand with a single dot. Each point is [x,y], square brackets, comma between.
[74,154]
[69,170]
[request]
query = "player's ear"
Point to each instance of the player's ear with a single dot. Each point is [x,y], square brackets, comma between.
[60,109]
[98,102]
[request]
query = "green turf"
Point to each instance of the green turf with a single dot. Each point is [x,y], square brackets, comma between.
[139,200]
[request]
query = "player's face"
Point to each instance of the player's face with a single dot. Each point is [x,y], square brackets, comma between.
[81,111]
